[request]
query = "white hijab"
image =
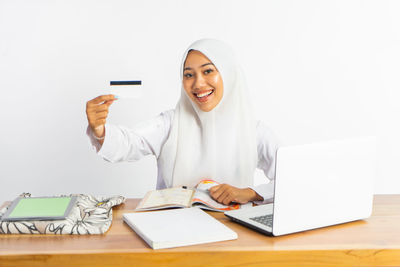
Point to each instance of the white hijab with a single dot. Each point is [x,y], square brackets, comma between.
[219,144]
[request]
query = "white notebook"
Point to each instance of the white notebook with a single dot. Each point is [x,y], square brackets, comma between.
[178,227]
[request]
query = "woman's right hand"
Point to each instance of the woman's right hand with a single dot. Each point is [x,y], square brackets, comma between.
[97,112]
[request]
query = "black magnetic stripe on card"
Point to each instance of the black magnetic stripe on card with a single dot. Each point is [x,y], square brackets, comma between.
[126,83]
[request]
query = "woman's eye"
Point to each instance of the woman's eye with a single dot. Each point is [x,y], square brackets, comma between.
[188,75]
[208,71]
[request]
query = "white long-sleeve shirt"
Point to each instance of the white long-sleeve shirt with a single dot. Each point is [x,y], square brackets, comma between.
[147,138]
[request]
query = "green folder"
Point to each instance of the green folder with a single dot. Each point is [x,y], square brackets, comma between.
[39,208]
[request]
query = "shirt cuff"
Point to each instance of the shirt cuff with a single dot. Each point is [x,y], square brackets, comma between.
[95,144]
[107,150]
[111,139]
[266,191]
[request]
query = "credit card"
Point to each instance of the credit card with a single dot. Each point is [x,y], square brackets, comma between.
[126,89]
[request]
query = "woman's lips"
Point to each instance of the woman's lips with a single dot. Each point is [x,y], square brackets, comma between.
[204,96]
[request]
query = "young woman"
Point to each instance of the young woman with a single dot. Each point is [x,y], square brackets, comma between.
[210,134]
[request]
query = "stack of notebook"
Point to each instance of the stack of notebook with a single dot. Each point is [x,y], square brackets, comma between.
[178,227]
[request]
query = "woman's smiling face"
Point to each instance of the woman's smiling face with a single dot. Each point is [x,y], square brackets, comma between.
[202,81]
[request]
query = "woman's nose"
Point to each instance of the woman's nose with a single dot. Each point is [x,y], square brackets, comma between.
[199,82]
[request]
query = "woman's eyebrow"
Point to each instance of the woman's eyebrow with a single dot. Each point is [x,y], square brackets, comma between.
[207,64]
[187,68]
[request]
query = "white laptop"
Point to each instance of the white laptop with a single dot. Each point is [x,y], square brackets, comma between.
[317,185]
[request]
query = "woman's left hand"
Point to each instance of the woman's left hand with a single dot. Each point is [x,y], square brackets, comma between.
[226,194]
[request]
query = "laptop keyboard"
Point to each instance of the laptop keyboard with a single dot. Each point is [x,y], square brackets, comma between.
[265,219]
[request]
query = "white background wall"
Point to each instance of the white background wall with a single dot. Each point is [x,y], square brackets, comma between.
[317,70]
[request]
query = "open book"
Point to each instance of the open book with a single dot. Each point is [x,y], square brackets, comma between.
[178,197]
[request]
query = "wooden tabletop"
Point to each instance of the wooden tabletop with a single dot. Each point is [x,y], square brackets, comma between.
[371,242]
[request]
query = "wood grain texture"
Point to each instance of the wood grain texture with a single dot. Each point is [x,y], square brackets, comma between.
[371,242]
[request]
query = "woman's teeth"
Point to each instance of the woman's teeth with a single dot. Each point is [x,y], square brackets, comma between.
[204,94]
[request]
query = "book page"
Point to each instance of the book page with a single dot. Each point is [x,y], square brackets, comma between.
[202,197]
[170,197]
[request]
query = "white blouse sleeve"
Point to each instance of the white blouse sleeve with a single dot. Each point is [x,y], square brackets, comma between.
[267,145]
[131,144]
